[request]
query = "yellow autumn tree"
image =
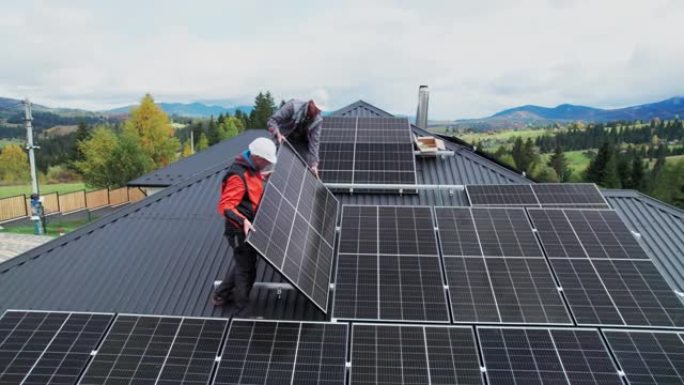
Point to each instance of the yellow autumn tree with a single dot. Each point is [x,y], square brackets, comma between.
[187,150]
[153,128]
[14,165]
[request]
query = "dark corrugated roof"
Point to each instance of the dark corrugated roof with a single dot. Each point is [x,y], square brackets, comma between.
[362,109]
[203,160]
[157,256]
[661,227]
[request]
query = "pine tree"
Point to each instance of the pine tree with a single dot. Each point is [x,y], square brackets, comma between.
[602,169]
[264,107]
[559,164]
[637,177]
[202,143]
[213,133]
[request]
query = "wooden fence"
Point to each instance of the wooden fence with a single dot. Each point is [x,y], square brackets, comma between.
[20,206]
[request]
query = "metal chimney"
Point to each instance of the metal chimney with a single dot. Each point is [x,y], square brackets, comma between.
[423,101]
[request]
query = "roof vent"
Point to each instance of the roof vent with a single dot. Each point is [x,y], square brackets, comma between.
[423,101]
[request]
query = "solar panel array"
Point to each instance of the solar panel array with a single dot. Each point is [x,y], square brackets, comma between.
[295,227]
[580,195]
[367,151]
[606,276]
[495,269]
[388,266]
[47,348]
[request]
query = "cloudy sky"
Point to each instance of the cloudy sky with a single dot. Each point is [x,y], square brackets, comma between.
[478,57]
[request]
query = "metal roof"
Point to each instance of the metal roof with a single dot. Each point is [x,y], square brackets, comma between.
[219,153]
[161,255]
[661,227]
[362,109]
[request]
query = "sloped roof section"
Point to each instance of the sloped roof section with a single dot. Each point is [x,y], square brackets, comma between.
[219,153]
[661,227]
[159,256]
[362,109]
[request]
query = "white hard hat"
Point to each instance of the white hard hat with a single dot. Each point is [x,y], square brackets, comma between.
[264,148]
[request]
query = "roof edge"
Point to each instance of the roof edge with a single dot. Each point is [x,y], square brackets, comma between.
[651,201]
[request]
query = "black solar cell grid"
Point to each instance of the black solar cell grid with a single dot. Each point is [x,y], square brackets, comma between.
[295,227]
[604,235]
[457,234]
[546,356]
[648,357]
[586,294]
[388,265]
[264,352]
[367,151]
[505,232]
[569,195]
[640,293]
[556,234]
[393,354]
[501,195]
[508,290]
[47,348]
[156,350]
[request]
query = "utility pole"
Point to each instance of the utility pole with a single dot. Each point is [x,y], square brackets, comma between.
[192,141]
[36,201]
[29,145]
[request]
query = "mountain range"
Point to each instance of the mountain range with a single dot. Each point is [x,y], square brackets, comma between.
[535,116]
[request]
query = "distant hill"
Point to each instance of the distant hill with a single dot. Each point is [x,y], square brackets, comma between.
[530,115]
[192,110]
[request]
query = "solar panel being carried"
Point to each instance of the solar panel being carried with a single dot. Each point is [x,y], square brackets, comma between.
[41,348]
[295,227]
[495,269]
[367,151]
[388,266]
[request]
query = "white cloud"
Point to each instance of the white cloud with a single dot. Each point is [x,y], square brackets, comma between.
[477,57]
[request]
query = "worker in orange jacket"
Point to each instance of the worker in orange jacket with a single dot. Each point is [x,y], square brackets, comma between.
[241,191]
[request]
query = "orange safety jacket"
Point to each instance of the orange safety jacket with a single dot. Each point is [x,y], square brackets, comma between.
[241,190]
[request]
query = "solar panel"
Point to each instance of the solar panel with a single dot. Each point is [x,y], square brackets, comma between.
[511,283]
[295,227]
[393,354]
[367,151]
[501,195]
[588,298]
[640,293]
[546,356]
[150,350]
[569,195]
[267,352]
[604,235]
[648,357]
[47,348]
[388,266]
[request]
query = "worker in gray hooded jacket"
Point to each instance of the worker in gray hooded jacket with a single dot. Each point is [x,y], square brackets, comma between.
[300,123]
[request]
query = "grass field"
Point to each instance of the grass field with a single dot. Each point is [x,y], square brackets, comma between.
[62,188]
[53,229]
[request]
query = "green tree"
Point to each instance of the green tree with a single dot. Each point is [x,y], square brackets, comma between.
[559,164]
[602,170]
[669,184]
[202,143]
[97,152]
[523,154]
[127,161]
[264,107]
[151,125]
[547,174]
[14,165]
[187,150]
[213,132]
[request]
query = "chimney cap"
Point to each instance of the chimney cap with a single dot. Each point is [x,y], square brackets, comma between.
[423,86]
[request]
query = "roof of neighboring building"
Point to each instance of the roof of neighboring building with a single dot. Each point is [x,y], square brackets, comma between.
[222,152]
[661,227]
[362,109]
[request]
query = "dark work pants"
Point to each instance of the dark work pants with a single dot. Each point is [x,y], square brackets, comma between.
[301,144]
[242,272]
